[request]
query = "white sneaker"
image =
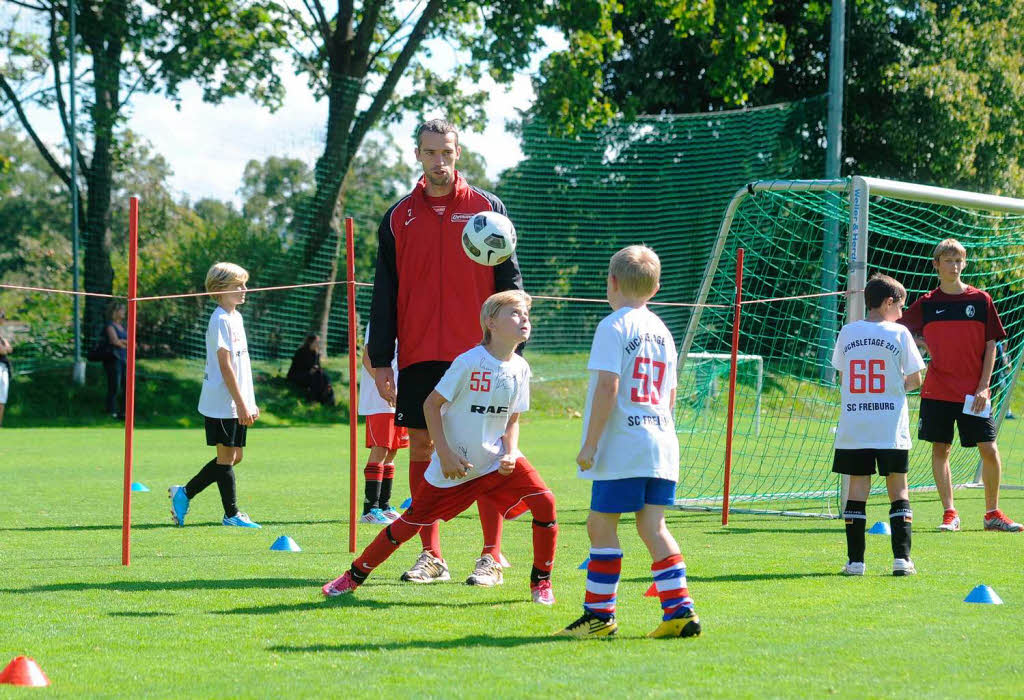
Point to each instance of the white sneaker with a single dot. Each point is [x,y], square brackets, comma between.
[903,567]
[427,569]
[853,568]
[486,573]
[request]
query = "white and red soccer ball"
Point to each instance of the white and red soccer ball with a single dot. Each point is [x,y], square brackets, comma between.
[489,238]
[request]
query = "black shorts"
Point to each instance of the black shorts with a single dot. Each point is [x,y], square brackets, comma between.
[863,462]
[935,424]
[415,383]
[225,431]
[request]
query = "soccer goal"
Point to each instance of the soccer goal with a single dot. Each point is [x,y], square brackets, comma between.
[809,247]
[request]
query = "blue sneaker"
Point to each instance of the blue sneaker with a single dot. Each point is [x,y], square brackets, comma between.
[179,504]
[391,514]
[375,517]
[240,519]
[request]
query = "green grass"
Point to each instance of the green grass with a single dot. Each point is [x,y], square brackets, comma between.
[208,611]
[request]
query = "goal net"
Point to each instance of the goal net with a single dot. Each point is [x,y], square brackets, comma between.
[809,247]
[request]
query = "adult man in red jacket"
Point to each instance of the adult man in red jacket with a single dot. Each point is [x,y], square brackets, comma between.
[427,294]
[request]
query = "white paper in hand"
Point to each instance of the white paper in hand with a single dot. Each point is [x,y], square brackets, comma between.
[968,407]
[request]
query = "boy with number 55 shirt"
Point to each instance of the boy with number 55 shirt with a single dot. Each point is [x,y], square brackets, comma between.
[473,418]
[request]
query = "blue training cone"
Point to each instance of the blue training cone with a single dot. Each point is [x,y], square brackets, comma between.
[584,564]
[983,594]
[139,486]
[407,503]
[880,528]
[285,544]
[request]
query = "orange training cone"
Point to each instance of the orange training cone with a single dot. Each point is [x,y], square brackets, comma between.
[652,592]
[24,671]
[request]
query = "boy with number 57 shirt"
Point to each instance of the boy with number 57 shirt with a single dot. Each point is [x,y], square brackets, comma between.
[630,450]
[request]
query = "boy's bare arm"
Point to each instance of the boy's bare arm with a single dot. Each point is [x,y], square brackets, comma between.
[604,401]
[366,364]
[246,414]
[912,381]
[507,463]
[453,466]
[988,361]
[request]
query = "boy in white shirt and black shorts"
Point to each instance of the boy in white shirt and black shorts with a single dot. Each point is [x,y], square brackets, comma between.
[384,439]
[878,362]
[227,400]
[473,419]
[630,450]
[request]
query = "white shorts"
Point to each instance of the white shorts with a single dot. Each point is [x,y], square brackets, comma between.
[5,382]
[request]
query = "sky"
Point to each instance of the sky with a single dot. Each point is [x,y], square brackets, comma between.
[208,145]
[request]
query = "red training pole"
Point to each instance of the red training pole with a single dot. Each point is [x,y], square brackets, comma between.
[732,385]
[353,396]
[129,380]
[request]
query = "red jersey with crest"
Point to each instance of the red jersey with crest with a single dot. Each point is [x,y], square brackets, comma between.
[427,292]
[956,328]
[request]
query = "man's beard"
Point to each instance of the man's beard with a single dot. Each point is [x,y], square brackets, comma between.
[438,180]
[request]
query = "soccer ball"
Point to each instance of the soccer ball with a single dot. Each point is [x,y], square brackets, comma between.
[489,238]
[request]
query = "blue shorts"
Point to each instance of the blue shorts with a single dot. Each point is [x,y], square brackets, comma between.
[630,495]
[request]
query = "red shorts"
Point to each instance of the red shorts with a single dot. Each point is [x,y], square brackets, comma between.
[381,431]
[430,504]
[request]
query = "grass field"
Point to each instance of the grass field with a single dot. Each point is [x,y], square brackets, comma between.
[207,611]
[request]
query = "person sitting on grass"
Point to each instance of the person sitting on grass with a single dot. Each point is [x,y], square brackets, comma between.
[878,363]
[227,400]
[473,418]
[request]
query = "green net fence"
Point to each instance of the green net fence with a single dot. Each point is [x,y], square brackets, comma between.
[660,180]
[787,404]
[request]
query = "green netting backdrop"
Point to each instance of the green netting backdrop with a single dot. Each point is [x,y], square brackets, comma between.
[784,432]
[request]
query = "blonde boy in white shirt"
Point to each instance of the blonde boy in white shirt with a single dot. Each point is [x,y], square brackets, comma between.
[630,450]
[227,400]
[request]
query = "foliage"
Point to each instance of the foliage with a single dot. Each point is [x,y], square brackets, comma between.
[126,48]
[933,94]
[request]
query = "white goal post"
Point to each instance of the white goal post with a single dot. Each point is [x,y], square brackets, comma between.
[857,193]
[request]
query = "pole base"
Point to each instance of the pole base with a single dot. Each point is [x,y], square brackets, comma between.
[78,373]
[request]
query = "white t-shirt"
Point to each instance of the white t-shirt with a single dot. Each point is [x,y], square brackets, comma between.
[226,331]
[482,392]
[5,382]
[873,359]
[370,401]
[639,439]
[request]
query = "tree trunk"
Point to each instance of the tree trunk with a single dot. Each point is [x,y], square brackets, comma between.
[105,47]
[325,312]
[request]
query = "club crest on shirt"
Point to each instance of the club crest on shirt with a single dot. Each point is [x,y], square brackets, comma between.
[969,311]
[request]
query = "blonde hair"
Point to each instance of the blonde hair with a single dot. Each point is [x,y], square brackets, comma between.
[637,269]
[225,276]
[950,245]
[496,302]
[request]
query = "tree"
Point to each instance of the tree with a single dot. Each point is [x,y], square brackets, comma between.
[933,93]
[127,48]
[355,56]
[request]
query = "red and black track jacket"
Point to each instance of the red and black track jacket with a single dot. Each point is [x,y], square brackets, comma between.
[956,328]
[426,290]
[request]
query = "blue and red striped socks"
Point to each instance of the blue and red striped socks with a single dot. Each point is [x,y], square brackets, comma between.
[670,580]
[602,581]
